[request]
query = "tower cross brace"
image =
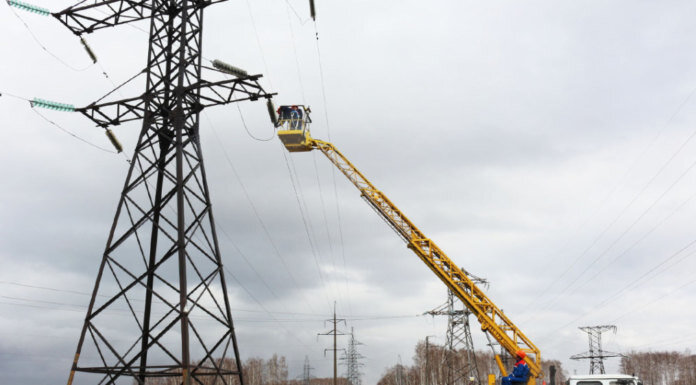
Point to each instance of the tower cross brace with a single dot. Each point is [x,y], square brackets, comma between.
[159,307]
[596,355]
[459,337]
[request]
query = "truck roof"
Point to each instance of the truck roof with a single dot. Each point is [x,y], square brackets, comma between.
[599,376]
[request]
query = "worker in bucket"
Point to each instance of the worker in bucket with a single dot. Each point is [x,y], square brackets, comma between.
[520,374]
[283,112]
[295,118]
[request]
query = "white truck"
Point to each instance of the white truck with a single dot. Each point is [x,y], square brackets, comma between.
[603,379]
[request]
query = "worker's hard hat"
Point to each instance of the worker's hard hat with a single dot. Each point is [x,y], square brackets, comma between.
[521,354]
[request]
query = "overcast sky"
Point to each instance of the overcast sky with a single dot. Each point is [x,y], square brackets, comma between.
[544,145]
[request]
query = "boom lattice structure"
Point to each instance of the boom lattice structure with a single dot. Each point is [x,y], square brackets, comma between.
[491,318]
[159,307]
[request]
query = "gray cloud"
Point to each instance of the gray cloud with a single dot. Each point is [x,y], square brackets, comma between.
[514,134]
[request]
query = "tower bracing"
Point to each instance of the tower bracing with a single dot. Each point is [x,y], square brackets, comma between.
[596,355]
[306,372]
[459,339]
[351,359]
[160,307]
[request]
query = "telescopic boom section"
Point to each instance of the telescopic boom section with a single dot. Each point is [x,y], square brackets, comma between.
[491,318]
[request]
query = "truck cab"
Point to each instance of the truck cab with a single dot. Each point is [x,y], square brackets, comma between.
[603,379]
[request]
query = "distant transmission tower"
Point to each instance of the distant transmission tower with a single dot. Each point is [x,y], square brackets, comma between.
[162,262]
[335,333]
[306,372]
[596,355]
[459,338]
[351,359]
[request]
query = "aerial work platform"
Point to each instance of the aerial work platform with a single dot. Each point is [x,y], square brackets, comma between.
[293,131]
[293,127]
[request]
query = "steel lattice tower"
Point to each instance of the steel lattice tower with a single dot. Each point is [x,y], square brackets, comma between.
[159,307]
[459,337]
[306,372]
[596,355]
[351,359]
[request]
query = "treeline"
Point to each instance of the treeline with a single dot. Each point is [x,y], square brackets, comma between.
[256,371]
[661,368]
[431,368]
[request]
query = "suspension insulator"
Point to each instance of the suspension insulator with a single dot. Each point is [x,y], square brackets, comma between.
[36,102]
[272,112]
[113,140]
[89,50]
[29,7]
[229,69]
[312,10]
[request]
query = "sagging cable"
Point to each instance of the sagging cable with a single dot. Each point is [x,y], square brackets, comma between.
[272,112]
[36,102]
[229,69]
[312,10]
[114,141]
[89,50]
[28,7]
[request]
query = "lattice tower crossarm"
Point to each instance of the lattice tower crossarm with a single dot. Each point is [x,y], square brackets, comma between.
[306,372]
[491,318]
[596,354]
[458,339]
[162,263]
[351,359]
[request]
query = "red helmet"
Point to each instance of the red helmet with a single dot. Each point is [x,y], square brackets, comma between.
[521,354]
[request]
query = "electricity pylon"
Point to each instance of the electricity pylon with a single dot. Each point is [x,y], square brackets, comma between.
[596,355]
[351,359]
[159,307]
[459,337]
[306,372]
[335,333]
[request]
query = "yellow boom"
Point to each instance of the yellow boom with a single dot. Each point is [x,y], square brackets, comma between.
[491,318]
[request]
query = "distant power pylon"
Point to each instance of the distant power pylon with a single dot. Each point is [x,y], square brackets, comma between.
[335,333]
[459,337]
[306,372]
[351,359]
[162,263]
[596,355]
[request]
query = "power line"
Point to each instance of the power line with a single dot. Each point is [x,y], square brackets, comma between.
[646,304]
[635,162]
[43,47]
[326,223]
[299,18]
[643,237]
[72,134]
[58,126]
[616,295]
[249,132]
[294,48]
[328,133]
[258,41]
[305,220]
[84,293]
[635,198]
[261,222]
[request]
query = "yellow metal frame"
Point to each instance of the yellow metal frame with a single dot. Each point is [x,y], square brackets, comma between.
[501,367]
[492,319]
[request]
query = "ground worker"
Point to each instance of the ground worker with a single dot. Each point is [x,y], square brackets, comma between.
[520,374]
